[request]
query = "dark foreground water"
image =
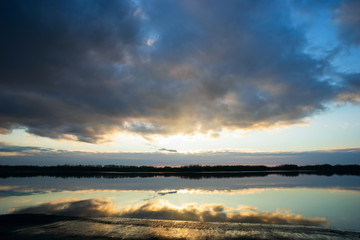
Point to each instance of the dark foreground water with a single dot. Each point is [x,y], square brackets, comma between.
[271,207]
[59,227]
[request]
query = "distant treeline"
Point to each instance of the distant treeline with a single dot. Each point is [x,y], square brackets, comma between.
[191,171]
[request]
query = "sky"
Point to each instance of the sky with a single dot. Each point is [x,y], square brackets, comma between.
[164,82]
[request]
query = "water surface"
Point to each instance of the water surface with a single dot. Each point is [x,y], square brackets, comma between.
[305,200]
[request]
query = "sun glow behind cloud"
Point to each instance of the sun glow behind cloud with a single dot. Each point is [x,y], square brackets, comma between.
[323,131]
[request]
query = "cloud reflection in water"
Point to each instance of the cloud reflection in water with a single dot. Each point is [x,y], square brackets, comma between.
[164,210]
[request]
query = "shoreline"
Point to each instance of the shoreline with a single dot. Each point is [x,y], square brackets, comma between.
[192,171]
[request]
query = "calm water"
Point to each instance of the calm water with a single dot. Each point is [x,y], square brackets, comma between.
[303,200]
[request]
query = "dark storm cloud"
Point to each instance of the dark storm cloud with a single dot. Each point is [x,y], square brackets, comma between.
[84,69]
[59,62]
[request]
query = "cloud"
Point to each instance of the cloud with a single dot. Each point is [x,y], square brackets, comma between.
[86,69]
[6,148]
[167,150]
[216,213]
[82,208]
[50,158]
[8,188]
[348,20]
[61,61]
[351,92]
[164,210]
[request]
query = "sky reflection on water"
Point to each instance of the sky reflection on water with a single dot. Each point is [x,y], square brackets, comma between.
[304,200]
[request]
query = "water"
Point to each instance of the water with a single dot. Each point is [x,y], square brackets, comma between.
[306,200]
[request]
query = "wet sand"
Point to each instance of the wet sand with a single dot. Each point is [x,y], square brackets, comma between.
[37,226]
